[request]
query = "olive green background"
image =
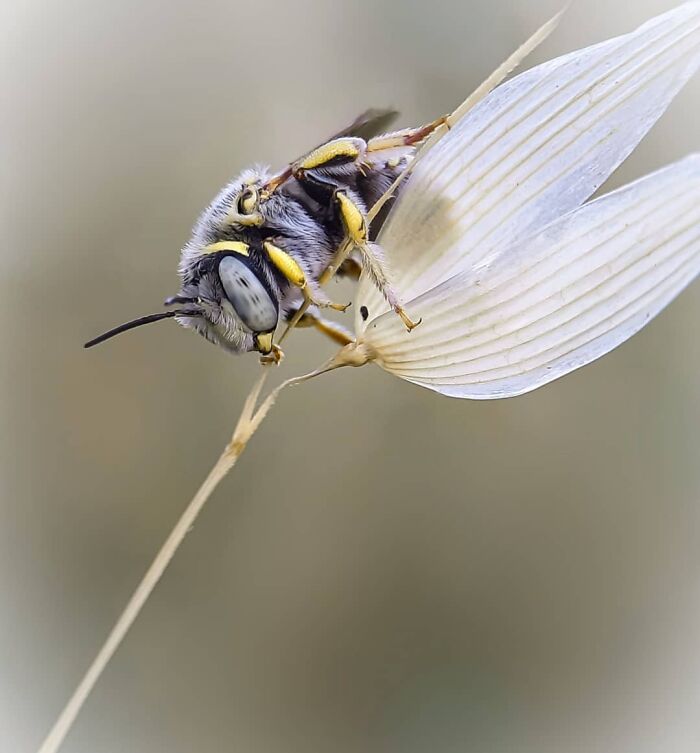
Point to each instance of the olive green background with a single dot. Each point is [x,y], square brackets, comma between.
[387,570]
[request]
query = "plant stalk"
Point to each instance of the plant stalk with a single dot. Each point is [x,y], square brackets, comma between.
[248,422]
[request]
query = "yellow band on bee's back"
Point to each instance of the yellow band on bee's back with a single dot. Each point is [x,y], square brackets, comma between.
[330,151]
[237,247]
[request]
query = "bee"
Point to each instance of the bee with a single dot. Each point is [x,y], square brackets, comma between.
[261,249]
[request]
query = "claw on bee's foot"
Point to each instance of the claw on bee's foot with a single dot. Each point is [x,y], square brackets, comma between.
[274,357]
[410,324]
[343,307]
[318,299]
[269,352]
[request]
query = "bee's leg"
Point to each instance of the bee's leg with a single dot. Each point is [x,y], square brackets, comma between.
[293,273]
[275,356]
[406,137]
[337,156]
[269,352]
[326,191]
[332,157]
[372,257]
[334,331]
[355,227]
[347,150]
[322,188]
[339,258]
[373,261]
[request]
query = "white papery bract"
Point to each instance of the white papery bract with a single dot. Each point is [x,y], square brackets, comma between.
[558,300]
[517,284]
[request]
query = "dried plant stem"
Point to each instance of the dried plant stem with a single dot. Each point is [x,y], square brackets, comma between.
[469,103]
[248,423]
[250,419]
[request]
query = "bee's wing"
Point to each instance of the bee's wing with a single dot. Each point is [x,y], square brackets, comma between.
[532,150]
[370,123]
[566,296]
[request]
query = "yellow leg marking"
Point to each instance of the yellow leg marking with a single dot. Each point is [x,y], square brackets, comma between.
[294,274]
[269,352]
[263,343]
[286,265]
[340,148]
[334,331]
[337,334]
[356,230]
[353,219]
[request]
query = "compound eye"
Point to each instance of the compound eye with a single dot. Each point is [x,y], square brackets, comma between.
[247,295]
[248,200]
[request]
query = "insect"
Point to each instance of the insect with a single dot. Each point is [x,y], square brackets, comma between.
[258,252]
[490,243]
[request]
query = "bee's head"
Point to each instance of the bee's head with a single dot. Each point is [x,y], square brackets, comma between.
[228,294]
[233,292]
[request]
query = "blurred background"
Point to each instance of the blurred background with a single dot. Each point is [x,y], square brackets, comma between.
[386,570]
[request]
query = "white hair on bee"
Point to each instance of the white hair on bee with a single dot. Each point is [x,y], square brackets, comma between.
[216,218]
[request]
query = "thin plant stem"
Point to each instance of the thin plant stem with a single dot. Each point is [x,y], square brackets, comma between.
[469,103]
[249,421]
